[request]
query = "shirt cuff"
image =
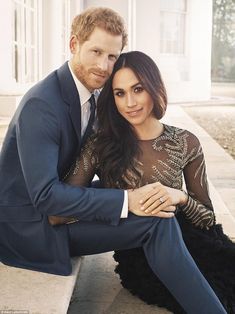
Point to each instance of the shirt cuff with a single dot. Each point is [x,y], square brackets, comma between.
[124,213]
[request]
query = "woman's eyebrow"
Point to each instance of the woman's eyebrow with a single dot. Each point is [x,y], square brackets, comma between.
[133,86]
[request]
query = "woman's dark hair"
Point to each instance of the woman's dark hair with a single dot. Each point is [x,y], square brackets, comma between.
[117,143]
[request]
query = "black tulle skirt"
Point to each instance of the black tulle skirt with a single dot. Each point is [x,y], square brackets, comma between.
[213,252]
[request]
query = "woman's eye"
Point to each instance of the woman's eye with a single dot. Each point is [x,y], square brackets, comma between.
[138,89]
[119,94]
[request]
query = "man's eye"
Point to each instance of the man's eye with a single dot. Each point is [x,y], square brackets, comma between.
[112,58]
[97,52]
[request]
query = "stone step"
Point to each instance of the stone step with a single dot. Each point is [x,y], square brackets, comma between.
[8,104]
[4,122]
[27,291]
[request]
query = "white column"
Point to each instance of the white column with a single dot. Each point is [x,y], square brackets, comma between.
[200,47]
[51,35]
[131,25]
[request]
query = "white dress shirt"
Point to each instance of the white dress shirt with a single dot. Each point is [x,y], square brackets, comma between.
[84,95]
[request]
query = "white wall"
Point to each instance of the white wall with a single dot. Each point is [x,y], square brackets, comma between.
[121,6]
[187,77]
[196,63]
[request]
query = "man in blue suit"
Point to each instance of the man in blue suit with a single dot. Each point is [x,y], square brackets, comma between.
[43,139]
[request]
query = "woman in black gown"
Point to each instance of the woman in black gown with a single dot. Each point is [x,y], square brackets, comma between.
[134,148]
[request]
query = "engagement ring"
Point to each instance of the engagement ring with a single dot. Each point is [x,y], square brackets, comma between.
[161,200]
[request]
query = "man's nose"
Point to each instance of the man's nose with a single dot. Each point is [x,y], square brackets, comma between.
[103,63]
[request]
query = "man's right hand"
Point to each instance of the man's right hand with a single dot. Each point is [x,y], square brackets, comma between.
[154,194]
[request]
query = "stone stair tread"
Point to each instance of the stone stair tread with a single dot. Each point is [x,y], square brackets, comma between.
[36,292]
[4,120]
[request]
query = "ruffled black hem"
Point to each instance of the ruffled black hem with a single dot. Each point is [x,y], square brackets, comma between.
[213,252]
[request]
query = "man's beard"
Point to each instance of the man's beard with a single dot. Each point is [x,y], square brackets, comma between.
[84,76]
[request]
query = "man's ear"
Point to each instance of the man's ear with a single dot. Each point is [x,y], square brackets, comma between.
[73,44]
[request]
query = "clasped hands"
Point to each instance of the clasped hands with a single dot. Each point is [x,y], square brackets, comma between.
[155,199]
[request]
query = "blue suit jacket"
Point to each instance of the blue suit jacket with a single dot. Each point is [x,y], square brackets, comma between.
[42,141]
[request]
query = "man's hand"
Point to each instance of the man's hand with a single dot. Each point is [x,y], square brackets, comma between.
[151,200]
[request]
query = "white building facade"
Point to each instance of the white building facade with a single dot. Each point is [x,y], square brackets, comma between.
[34,36]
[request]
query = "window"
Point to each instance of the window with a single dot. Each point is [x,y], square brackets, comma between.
[25,40]
[172,26]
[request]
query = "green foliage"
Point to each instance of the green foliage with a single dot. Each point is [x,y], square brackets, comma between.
[223,40]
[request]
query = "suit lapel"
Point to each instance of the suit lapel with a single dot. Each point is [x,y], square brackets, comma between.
[71,97]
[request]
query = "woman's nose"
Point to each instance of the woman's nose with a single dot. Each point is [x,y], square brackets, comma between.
[130,100]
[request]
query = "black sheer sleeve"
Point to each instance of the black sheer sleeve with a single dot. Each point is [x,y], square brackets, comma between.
[198,208]
[85,167]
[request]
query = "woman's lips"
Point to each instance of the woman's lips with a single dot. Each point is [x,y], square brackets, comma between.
[134,113]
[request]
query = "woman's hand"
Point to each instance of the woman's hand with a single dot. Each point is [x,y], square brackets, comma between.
[145,201]
[162,200]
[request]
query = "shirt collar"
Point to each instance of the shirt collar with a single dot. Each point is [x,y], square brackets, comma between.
[84,93]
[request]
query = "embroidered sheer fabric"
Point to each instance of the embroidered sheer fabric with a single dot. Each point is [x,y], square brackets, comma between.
[173,157]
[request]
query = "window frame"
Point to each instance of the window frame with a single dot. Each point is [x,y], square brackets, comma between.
[167,45]
[26,41]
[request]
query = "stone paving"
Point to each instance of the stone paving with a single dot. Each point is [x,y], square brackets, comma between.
[98,291]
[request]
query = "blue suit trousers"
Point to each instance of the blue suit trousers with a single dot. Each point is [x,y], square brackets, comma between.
[165,251]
